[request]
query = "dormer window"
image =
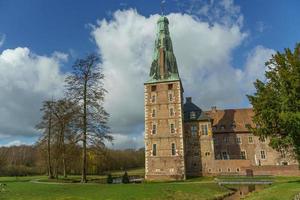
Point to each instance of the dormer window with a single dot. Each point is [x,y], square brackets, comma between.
[192,115]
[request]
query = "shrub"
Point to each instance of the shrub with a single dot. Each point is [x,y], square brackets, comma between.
[109,179]
[125,178]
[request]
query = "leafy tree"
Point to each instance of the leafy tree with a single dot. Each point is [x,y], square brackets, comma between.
[276,102]
[85,87]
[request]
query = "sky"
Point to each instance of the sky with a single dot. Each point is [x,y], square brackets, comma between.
[221,47]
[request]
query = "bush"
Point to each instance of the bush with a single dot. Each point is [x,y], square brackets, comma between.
[125,178]
[109,179]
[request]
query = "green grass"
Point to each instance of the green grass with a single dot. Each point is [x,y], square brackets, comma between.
[194,189]
[284,188]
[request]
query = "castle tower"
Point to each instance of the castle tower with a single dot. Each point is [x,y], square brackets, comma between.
[164,142]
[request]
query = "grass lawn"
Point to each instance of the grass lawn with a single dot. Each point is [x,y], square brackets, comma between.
[284,188]
[23,189]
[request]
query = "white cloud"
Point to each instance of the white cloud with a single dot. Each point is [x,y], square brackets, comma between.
[2,39]
[26,79]
[254,68]
[15,143]
[203,50]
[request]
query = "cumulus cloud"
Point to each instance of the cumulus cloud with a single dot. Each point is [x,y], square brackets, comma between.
[26,79]
[254,68]
[204,54]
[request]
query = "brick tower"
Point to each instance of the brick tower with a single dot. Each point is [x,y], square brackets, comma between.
[164,142]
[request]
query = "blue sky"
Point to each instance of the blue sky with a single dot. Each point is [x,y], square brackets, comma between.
[50,35]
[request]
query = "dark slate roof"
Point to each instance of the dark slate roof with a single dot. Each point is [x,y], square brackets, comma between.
[189,107]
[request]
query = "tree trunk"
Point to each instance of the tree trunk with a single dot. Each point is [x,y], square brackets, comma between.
[63,152]
[84,161]
[50,174]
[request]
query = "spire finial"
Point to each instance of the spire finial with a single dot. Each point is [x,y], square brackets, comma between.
[162,8]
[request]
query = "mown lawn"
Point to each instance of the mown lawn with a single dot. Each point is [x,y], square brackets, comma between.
[284,188]
[23,189]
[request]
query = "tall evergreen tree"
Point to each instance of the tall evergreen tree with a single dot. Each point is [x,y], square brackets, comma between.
[85,87]
[276,102]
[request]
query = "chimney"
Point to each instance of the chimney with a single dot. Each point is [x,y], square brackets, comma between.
[214,109]
[188,99]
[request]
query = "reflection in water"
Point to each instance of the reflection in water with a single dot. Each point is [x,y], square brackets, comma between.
[243,190]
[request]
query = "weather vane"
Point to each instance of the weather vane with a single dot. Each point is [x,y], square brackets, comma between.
[162,6]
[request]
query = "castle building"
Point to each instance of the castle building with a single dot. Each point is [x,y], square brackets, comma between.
[183,140]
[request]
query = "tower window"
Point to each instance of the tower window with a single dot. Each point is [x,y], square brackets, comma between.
[207,153]
[204,129]
[170,86]
[153,128]
[153,88]
[154,150]
[173,149]
[170,97]
[172,128]
[153,113]
[194,130]
[171,112]
[153,98]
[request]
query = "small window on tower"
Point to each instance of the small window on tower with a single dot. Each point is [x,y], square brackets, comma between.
[153,98]
[153,88]
[153,128]
[170,86]
[153,113]
[154,150]
[173,149]
[171,112]
[172,127]
[170,97]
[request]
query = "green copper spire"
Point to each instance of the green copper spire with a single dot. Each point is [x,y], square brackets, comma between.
[164,65]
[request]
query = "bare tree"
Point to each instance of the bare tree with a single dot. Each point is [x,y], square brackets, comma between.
[65,112]
[46,125]
[85,87]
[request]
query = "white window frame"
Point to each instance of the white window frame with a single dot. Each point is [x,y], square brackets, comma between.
[252,139]
[265,154]
[245,154]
